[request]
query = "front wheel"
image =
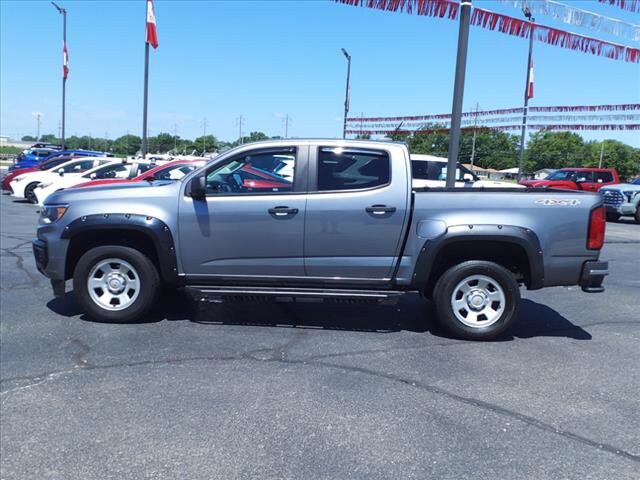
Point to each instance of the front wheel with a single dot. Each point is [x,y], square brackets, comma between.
[613,217]
[30,194]
[115,284]
[477,300]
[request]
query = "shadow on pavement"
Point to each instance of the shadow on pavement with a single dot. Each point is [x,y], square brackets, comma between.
[412,314]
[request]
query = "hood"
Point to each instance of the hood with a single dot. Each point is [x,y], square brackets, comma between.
[622,187]
[535,183]
[120,191]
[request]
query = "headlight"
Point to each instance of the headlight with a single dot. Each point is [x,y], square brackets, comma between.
[52,213]
[45,185]
[630,194]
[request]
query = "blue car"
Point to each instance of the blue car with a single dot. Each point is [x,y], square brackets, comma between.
[35,156]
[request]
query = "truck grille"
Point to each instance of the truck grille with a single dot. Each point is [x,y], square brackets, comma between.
[612,197]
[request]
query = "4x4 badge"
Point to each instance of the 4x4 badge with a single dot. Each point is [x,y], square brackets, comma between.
[558,202]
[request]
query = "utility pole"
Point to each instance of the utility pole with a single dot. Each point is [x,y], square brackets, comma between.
[458,92]
[286,125]
[601,154]
[38,115]
[527,13]
[204,135]
[473,141]
[175,137]
[65,66]
[346,96]
[59,131]
[240,121]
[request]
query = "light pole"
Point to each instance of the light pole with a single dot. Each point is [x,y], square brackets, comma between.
[63,12]
[346,97]
[458,92]
[527,13]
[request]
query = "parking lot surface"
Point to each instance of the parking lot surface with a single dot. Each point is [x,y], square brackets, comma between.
[274,390]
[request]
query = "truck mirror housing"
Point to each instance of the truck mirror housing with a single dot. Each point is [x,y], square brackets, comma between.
[61,172]
[197,188]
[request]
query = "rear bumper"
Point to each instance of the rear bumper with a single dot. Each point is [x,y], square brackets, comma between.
[593,273]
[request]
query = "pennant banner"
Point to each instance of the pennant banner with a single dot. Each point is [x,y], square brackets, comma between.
[549,127]
[506,24]
[629,5]
[572,15]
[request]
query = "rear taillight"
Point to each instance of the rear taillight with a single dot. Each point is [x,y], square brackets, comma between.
[597,224]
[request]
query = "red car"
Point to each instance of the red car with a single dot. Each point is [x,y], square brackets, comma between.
[587,179]
[168,171]
[54,162]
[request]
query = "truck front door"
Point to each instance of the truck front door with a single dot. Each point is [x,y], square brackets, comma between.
[356,210]
[251,222]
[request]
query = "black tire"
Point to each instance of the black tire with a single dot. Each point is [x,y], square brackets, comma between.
[446,288]
[613,217]
[637,215]
[148,278]
[28,192]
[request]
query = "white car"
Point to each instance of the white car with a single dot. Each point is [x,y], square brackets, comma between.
[114,169]
[429,171]
[24,185]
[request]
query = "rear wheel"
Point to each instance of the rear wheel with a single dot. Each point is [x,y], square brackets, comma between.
[477,300]
[115,284]
[29,193]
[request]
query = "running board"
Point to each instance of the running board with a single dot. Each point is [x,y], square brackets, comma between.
[251,294]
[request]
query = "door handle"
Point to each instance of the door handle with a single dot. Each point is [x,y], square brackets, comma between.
[380,209]
[282,211]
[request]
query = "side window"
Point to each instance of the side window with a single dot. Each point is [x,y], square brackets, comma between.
[259,172]
[174,173]
[118,170]
[340,169]
[584,176]
[604,177]
[78,167]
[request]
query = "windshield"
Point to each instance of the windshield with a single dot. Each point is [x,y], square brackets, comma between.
[428,170]
[562,175]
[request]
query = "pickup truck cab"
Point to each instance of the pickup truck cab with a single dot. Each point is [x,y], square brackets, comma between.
[587,179]
[343,223]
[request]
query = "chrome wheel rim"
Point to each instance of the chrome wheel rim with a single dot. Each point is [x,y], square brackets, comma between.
[478,301]
[113,284]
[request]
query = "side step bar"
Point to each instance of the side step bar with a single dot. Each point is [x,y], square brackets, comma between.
[227,294]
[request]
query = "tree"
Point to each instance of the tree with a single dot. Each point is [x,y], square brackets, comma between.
[206,143]
[127,145]
[554,150]
[49,138]
[624,158]
[253,137]
[161,143]
[28,138]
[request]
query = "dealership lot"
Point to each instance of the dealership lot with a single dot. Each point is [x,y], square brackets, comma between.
[279,390]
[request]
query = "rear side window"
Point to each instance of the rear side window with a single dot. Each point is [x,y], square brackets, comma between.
[342,169]
[604,177]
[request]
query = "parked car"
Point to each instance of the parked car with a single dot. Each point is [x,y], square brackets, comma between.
[110,170]
[33,161]
[170,171]
[31,157]
[349,226]
[46,165]
[622,199]
[23,186]
[47,145]
[587,179]
[431,171]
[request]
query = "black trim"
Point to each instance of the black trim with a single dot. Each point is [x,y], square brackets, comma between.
[40,254]
[154,228]
[522,237]
[593,273]
[499,190]
[286,282]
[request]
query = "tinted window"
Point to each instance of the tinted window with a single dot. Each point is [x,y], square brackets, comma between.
[584,177]
[261,172]
[604,177]
[78,167]
[562,175]
[53,163]
[116,170]
[428,170]
[340,169]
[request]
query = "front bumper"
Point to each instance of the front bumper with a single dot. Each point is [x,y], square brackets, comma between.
[41,255]
[622,209]
[593,273]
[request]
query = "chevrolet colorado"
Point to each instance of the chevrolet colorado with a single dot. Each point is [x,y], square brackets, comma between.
[337,219]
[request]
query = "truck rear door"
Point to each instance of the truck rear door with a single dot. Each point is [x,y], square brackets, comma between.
[357,207]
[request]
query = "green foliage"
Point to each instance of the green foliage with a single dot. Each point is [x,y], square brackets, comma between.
[126,145]
[207,143]
[28,138]
[554,150]
[253,137]
[49,138]
[624,158]
[161,143]
[7,150]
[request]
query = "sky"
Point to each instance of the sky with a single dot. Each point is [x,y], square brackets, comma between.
[266,59]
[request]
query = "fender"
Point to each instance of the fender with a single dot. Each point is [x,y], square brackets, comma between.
[523,237]
[156,229]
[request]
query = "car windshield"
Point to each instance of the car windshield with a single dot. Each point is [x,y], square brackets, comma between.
[562,175]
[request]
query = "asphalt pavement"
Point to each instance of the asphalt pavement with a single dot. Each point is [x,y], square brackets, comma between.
[311,391]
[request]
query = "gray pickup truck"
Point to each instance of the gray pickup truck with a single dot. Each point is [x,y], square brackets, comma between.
[319,219]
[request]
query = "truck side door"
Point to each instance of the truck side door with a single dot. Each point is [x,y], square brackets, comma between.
[356,212]
[251,223]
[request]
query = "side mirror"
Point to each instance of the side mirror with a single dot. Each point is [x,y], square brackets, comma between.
[467,177]
[581,180]
[61,172]
[197,187]
[93,176]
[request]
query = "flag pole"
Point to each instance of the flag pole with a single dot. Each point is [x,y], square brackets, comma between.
[63,12]
[146,95]
[527,13]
